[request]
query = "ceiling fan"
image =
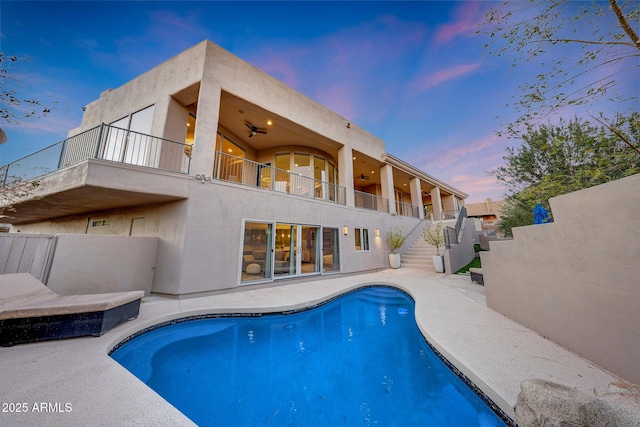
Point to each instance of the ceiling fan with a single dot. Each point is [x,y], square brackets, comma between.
[363,177]
[255,130]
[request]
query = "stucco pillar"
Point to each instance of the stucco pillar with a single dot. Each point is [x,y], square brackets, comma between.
[448,205]
[416,196]
[386,181]
[345,167]
[436,203]
[204,144]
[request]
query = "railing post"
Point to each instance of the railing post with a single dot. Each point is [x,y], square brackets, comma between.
[62,153]
[99,141]
[6,174]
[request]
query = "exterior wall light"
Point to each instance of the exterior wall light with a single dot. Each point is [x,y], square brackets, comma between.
[345,230]
[377,232]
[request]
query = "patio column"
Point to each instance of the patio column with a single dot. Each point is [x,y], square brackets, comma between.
[436,203]
[204,145]
[416,196]
[345,167]
[448,205]
[386,182]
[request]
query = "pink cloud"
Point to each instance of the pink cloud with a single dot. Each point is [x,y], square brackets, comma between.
[467,19]
[426,82]
[478,187]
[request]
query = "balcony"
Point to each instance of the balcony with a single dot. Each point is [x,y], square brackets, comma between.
[407,209]
[103,168]
[370,201]
[102,142]
[247,172]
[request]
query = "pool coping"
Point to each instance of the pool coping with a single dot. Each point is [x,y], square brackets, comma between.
[492,352]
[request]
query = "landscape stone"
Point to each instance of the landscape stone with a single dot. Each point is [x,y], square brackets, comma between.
[544,403]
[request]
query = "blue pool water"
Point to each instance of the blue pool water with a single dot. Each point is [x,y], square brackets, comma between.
[358,360]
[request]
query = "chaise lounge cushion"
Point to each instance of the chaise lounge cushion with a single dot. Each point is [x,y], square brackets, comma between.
[29,311]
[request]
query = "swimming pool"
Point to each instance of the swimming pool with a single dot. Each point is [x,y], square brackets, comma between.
[356,360]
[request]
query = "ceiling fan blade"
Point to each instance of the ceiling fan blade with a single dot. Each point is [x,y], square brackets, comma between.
[248,125]
[261,131]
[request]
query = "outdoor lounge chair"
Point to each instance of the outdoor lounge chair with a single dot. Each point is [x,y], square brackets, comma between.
[476,275]
[29,311]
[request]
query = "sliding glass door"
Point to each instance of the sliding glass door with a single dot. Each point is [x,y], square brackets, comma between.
[280,250]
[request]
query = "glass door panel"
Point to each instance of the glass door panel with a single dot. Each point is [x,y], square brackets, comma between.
[330,250]
[286,261]
[257,259]
[301,182]
[320,176]
[115,145]
[138,140]
[283,166]
[310,259]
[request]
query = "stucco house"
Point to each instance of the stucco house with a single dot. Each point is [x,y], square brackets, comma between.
[242,179]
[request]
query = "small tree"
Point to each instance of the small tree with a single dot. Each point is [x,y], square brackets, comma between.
[396,238]
[434,236]
[13,194]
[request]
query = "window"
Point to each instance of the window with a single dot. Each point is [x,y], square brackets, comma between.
[101,223]
[362,239]
[128,140]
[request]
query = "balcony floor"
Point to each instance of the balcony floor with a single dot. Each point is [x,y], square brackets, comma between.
[95,185]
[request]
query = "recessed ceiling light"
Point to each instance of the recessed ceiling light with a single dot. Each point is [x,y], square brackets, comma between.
[241,111]
[354,157]
[269,122]
[373,172]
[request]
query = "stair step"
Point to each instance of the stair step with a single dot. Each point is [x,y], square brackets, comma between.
[419,256]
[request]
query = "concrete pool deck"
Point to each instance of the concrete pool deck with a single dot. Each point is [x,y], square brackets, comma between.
[74,382]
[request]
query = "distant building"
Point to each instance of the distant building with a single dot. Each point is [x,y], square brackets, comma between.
[488,211]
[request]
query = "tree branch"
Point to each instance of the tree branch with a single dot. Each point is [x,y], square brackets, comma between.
[619,134]
[585,42]
[625,24]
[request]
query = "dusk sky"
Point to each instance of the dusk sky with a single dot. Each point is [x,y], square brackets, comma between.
[411,73]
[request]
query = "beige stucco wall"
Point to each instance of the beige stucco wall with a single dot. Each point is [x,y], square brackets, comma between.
[160,220]
[215,211]
[577,280]
[200,238]
[85,264]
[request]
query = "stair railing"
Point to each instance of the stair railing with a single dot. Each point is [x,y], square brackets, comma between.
[452,235]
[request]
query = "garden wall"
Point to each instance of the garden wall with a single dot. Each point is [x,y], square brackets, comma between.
[577,280]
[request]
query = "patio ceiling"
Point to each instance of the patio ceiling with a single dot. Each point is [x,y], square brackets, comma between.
[236,113]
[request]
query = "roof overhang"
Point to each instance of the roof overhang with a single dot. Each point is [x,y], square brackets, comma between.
[406,167]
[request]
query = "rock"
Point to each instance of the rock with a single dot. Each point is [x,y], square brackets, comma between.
[544,403]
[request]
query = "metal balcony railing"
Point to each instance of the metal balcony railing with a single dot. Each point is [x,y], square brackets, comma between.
[102,142]
[450,214]
[247,172]
[451,234]
[407,209]
[370,201]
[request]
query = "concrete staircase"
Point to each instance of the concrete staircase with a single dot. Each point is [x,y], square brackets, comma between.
[419,256]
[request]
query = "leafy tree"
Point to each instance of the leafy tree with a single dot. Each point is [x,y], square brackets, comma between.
[557,159]
[606,56]
[514,213]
